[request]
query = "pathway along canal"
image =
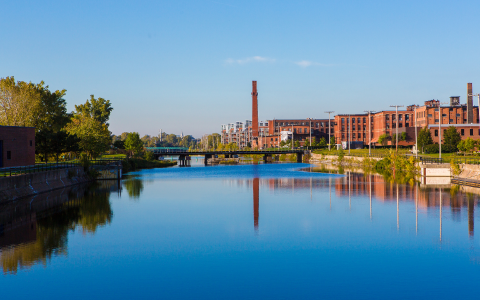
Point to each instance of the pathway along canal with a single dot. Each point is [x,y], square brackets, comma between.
[242,232]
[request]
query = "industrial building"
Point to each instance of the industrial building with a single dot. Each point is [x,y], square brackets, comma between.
[17,146]
[358,129]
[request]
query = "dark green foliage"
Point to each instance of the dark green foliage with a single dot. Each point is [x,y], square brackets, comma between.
[119,144]
[451,138]
[424,138]
[430,149]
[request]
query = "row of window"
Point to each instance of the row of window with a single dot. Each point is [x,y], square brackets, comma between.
[358,120]
[462,132]
[359,135]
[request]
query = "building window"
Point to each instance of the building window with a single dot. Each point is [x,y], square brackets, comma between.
[458,115]
[464,120]
[407,117]
[406,125]
[451,120]
[436,132]
[358,120]
[359,135]
[343,128]
[444,115]
[400,125]
[353,126]
[400,117]
[31,143]
[343,121]
[436,120]
[471,131]
[9,154]
[387,117]
[462,132]
[343,136]
[353,120]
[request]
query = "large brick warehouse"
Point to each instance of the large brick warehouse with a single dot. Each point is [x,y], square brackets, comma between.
[17,146]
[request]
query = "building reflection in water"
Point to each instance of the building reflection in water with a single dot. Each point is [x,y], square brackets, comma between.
[352,185]
[34,229]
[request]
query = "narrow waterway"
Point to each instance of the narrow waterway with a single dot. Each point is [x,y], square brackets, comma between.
[267,231]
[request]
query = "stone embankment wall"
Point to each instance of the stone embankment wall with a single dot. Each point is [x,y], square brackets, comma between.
[15,187]
[470,171]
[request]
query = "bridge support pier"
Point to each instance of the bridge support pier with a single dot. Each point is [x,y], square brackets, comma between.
[299,157]
[207,156]
[267,158]
[184,161]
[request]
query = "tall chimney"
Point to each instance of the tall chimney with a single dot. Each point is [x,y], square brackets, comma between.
[469,104]
[254,110]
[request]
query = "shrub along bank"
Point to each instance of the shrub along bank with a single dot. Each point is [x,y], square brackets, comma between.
[133,164]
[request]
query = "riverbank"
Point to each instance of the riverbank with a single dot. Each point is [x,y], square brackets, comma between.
[134,164]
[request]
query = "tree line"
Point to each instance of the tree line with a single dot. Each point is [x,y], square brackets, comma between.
[56,131]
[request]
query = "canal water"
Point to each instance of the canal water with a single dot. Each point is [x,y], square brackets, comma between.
[268,231]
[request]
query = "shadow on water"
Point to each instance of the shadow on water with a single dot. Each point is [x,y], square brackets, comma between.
[35,229]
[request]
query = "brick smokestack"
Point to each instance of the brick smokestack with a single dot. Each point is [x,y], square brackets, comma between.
[254,110]
[469,104]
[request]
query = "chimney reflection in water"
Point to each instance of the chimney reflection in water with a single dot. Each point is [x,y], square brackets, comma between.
[255,202]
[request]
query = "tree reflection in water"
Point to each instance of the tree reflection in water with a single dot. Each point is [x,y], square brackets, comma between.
[41,231]
[134,187]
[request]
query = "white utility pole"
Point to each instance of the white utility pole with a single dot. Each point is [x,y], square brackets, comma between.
[349,133]
[396,120]
[416,138]
[440,128]
[292,136]
[329,131]
[310,140]
[369,132]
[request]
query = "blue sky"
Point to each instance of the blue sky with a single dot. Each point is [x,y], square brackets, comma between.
[188,65]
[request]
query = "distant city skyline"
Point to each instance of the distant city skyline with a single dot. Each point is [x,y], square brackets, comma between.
[187,66]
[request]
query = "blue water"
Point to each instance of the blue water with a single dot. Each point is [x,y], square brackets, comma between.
[242,232]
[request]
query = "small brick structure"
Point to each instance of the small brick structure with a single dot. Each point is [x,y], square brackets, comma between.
[17,146]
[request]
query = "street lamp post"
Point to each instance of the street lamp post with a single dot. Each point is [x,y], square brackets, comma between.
[440,129]
[416,138]
[329,131]
[310,140]
[396,125]
[369,133]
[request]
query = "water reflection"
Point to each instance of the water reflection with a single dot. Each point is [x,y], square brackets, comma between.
[426,198]
[134,187]
[35,229]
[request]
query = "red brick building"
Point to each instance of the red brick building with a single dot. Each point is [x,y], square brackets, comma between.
[17,146]
[465,130]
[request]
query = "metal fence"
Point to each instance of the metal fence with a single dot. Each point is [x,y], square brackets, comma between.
[14,171]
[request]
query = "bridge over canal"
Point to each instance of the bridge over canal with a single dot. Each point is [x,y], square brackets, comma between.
[184,154]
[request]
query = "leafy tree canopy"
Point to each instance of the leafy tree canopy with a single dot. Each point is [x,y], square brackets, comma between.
[98,109]
[451,137]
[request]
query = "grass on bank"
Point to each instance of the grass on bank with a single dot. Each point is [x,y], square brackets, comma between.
[385,152]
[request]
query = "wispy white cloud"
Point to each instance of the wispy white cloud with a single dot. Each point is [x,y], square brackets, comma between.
[249,60]
[308,63]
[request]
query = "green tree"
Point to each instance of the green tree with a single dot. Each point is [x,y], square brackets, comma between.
[424,138]
[322,142]
[332,140]
[403,136]
[94,137]
[451,137]
[98,109]
[133,143]
[466,145]
[296,144]
[382,139]
[307,142]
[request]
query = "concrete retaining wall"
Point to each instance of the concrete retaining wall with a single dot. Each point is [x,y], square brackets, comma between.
[14,187]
